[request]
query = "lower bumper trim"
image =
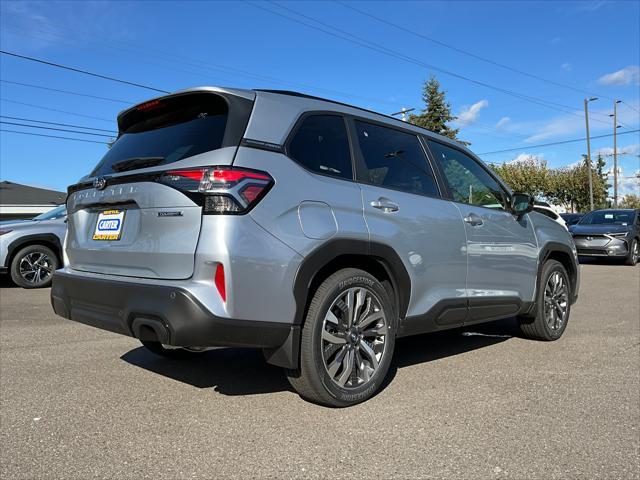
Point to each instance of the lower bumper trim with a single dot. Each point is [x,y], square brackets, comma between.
[156,312]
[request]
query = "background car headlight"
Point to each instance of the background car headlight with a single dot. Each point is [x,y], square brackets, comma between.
[619,235]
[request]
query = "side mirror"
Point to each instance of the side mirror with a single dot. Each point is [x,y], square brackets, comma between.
[521,204]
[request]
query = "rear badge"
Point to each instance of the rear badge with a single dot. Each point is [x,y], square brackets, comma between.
[169,214]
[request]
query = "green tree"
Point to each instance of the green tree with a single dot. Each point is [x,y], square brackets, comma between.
[630,201]
[570,186]
[436,113]
[530,176]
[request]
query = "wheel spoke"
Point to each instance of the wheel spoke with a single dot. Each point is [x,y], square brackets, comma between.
[360,301]
[333,337]
[370,354]
[331,318]
[333,367]
[375,331]
[375,316]
[347,368]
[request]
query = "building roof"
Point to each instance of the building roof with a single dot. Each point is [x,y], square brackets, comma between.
[18,194]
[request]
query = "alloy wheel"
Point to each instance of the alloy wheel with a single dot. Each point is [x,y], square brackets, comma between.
[35,268]
[354,334]
[556,301]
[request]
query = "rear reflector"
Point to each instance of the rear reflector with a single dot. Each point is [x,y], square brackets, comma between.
[222,190]
[219,279]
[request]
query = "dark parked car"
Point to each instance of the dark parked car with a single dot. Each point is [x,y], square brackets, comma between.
[571,218]
[609,233]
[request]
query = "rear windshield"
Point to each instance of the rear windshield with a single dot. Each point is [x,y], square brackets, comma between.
[165,131]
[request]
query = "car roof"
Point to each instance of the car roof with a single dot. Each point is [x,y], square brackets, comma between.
[308,102]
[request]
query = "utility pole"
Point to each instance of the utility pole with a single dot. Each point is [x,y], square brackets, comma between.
[615,153]
[586,119]
[403,113]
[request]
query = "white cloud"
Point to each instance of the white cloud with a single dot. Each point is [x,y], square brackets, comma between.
[567,67]
[626,76]
[470,114]
[503,122]
[572,125]
[633,149]
[628,183]
[528,157]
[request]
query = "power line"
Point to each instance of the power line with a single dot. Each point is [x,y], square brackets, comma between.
[58,124]
[631,107]
[344,35]
[78,70]
[465,52]
[55,110]
[52,136]
[56,129]
[66,91]
[556,143]
[211,66]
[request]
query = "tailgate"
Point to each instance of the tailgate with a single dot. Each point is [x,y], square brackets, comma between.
[156,235]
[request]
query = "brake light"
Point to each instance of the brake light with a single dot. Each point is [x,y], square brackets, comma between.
[219,280]
[221,190]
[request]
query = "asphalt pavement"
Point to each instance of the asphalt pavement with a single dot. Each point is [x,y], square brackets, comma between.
[77,402]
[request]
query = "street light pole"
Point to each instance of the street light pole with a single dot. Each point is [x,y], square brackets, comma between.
[586,119]
[615,153]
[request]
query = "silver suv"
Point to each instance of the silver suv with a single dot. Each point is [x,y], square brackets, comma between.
[314,230]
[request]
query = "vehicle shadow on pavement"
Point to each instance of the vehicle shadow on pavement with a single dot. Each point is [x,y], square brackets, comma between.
[241,371]
[230,371]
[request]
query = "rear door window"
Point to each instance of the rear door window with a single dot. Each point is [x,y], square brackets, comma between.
[321,145]
[165,131]
[394,159]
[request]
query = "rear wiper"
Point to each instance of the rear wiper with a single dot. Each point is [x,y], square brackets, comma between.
[135,162]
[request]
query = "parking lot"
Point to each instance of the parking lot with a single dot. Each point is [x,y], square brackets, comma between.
[77,402]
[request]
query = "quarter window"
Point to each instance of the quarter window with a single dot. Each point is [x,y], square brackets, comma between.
[468,181]
[394,159]
[321,145]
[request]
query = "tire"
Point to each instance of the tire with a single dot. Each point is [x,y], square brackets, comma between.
[548,324]
[33,266]
[342,366]
[161,350]
[632,258]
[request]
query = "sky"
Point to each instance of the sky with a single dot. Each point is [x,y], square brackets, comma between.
[515,73]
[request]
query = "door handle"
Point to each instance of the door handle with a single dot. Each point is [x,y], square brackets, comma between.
[473,220]
[385,205]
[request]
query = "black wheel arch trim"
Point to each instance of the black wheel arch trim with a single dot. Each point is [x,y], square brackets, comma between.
[556,247]
[385,255]
[45,238]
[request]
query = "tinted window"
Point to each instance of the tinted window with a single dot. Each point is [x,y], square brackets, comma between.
[321,145]
[468,181]
[395,160]
[165,131]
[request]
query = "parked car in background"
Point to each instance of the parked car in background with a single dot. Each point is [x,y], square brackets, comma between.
[609,233]
[548,211]
[31,250]
[571,218]
[314,230]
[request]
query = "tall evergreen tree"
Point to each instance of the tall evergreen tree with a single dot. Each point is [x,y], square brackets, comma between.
[436,112]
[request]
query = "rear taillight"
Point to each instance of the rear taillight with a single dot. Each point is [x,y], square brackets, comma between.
[221,190]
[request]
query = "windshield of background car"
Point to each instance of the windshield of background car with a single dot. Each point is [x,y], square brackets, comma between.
[57,212]
[609,217]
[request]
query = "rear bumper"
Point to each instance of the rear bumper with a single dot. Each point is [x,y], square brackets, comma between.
[170,315]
